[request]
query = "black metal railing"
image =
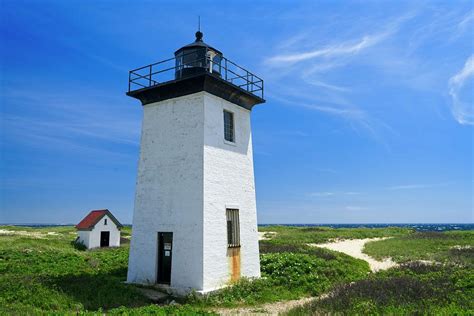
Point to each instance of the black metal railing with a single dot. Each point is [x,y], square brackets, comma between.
[185,65]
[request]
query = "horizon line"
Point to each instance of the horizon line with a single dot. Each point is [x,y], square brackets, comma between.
[276,224]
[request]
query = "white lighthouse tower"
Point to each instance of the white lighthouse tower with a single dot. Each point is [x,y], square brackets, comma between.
[195,221]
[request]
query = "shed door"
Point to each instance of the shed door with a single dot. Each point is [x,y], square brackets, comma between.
[165,251]
[104,239]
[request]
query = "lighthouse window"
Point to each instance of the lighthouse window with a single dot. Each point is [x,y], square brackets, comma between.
[233,228]
[229,126]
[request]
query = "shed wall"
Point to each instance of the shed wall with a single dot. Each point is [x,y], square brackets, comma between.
[114,241]
[84,236]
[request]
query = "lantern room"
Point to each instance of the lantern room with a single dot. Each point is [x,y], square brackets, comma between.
[197,58]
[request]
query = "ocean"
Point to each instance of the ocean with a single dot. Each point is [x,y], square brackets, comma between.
[419,227]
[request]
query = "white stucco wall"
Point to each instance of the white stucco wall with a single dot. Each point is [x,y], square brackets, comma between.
[187,175]
[169,191]
[228,183]
[91,238]
[84,237]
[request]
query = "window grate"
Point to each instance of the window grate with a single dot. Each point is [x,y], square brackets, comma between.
[229,126]
[233,228]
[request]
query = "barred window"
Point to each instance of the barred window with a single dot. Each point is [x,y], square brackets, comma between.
[229,126]
[233,228]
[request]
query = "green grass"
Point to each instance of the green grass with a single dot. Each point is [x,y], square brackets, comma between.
[445,287]
[45,274]
[412,289]
[49,275]
[307,235]
[433,246]
[290,273]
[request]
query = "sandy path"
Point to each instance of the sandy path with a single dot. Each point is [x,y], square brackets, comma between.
[353,247]
[265,309]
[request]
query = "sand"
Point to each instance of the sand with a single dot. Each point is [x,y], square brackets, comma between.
[37,235]
[351,247]
[266,235]
[354,247]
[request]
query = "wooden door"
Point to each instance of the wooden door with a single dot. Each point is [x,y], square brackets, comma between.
[165,253]
[104,239]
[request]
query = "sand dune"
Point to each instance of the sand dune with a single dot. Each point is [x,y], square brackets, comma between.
[354,247]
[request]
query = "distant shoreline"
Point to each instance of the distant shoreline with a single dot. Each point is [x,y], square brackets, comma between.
[417,226]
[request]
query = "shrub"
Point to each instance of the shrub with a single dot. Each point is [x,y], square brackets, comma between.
[418,267]
[434,246]
[462,256]
[411,289]
[286,276]
[275,247]
[382,292]
[79,245]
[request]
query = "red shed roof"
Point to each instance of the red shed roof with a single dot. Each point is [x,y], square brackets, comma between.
[94,217]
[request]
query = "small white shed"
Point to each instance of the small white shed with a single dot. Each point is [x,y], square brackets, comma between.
[99,229]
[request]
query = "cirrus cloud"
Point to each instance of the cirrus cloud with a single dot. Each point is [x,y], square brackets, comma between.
[463,110]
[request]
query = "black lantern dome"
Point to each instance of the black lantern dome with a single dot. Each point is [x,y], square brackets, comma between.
[197,58]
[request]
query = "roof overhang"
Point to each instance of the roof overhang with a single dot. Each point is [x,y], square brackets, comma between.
[96,220]
[197,83]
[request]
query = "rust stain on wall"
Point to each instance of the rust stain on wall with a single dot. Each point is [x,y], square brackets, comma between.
[234,262]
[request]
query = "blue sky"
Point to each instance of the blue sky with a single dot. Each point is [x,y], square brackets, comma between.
[369,114]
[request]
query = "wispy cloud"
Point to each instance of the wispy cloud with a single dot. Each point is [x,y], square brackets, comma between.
[345,48]
[347,113]
[322,194]
[302,77]
[357,118]
[463,110]
[326,85]
[468,18]
[342,110]
[416,186]
[78,124]
[336,49]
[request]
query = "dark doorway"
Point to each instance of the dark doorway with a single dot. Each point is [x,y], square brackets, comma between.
[165,251]
[104,239]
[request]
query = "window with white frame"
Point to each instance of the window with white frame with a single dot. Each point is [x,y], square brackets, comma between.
[105,221]
[233,228]
[229,134]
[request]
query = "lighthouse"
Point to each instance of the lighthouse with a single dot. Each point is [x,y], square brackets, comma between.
[195,219]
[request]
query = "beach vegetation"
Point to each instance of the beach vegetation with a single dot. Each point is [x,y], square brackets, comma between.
[43,272]
[435,277]
[290,275]
[318,234]
[417,288]
[444,247]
